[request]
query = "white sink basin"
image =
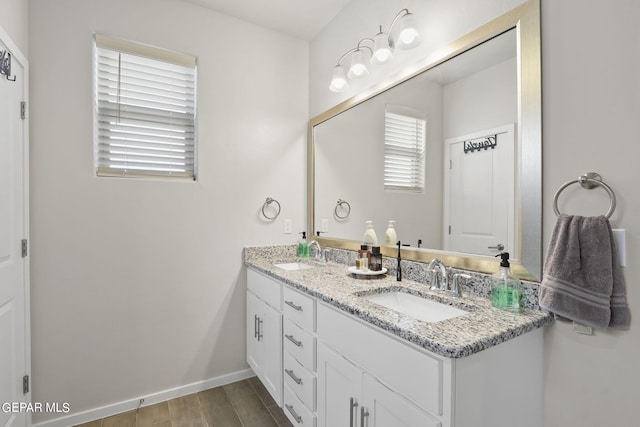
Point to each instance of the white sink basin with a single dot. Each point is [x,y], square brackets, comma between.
[293,266]
[414,306]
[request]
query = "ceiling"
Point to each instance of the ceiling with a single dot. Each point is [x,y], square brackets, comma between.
[299,18]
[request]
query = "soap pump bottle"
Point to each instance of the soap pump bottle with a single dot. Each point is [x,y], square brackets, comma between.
[506,291]
[370,239]
[303,246]
[390,236]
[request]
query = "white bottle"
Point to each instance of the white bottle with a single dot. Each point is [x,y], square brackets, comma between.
[370,238]
[390,237]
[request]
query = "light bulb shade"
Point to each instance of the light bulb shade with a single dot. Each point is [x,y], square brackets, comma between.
[358,68]
[382,52]
[339,80]
[408,36]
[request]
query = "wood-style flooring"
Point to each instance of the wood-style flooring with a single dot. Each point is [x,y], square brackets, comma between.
[242,404]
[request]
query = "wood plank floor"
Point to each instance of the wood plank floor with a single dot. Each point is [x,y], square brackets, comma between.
[242,404]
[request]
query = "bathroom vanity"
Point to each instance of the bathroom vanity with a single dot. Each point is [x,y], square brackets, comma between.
[332,357]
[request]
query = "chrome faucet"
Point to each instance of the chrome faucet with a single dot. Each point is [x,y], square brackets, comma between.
[439,280]
[317,253]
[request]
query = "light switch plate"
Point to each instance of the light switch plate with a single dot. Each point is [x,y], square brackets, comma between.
[324,225]
[287,226]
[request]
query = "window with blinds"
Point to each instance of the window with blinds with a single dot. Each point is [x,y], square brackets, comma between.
[145,110]
[404,149]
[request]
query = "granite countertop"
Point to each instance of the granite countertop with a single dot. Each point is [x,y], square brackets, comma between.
[484,326]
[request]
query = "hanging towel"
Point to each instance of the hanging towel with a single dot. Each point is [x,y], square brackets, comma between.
[582,280]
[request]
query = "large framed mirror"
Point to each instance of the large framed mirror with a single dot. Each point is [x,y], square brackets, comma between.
[475,106]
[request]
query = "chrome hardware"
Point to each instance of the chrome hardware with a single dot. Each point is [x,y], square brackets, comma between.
[340,205]
[457,288]
[589,181]
[315,250]
[293,376]
[255,326]
[437,268]
[266,204]
[259,328]
[498,247]
[353,403]
[292,305]
[293,340]
[293,413]
[364,413]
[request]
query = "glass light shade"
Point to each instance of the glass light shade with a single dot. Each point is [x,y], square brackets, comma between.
[382,52]
[339,80]
[408,36]
[358,68]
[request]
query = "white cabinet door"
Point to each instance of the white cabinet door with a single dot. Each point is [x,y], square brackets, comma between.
[383,407]
[264,345]
[339,390]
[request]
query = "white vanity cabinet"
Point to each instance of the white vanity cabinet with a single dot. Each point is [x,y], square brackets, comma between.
[367,377]
[264,331]
[299,342]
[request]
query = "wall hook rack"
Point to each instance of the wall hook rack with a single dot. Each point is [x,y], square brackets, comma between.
[5,65]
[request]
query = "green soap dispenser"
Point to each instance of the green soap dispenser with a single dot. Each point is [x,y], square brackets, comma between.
[506,291]
[303,246]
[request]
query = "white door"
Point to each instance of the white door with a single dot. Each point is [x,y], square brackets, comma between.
[479,193]
[339,390]
[13,273]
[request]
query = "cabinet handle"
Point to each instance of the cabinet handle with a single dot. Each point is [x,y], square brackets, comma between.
[364,414]
[293,376]
[293,340]
[293,413]
[259,328]
[255,326]
[292,305]
[353,403]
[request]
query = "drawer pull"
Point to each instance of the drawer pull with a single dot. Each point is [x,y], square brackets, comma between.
[293,340]
[293,376]
[293,413]
[259,329]
[364,414]
[292,305]
[255,326]
[353,403]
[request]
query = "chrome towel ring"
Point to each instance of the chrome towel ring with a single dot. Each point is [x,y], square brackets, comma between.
[267,203]
[340,205]
[588,180]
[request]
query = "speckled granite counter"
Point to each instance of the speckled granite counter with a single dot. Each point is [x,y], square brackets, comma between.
[484,326]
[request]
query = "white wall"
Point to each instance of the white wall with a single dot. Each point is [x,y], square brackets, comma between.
[591,105]
[137,285]
[14,20]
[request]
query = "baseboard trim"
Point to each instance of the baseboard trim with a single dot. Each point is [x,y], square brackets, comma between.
[150,399]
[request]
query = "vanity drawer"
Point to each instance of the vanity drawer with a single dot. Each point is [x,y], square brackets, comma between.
[299,308]
[301,344]
[295,410]
[300,381]
[265,288]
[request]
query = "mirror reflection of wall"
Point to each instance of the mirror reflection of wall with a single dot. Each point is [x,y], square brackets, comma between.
[470,93]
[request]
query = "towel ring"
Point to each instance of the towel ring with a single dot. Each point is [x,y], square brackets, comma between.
[588,180]
[340,204]
[267,203]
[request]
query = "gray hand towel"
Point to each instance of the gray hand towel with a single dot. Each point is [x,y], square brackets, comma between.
[582,280]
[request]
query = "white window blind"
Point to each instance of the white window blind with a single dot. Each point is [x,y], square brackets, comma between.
[145,110]
[404,149]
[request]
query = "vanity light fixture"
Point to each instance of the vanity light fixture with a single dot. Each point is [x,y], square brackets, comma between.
[380,53]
